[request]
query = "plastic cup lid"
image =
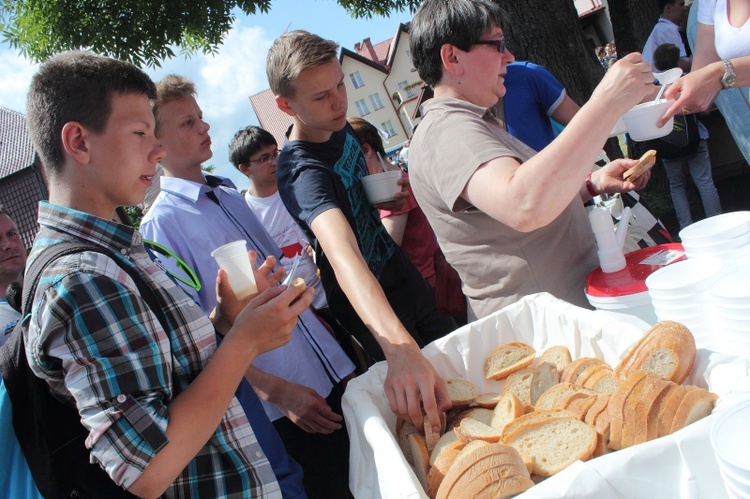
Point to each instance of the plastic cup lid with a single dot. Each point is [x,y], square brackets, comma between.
[639,265]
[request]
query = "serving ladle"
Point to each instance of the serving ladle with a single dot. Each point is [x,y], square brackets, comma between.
[666,78]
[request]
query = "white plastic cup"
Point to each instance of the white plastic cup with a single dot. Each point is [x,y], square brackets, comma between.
[382,187]
[232,257]
[641,120]
[730,439]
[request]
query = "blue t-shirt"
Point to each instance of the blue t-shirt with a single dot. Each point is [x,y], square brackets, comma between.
[532,95]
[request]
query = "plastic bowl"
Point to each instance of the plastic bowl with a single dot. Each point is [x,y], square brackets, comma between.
[641,120]
[381,187]
[724,226]
[730,438]
[732,286]
[683,278]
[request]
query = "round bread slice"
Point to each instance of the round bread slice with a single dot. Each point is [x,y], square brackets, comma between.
[554,444]
[558,356]
[508,359]
[403,430]
[652,423]
[441,466]
[602,400]
[602,381]
[574,369]
[616,407]
[431,436]
[642,391]
[461,392]
[697,404]
[445,440]
[534,417]
[549,399]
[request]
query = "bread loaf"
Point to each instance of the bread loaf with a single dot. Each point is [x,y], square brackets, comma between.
[667,349]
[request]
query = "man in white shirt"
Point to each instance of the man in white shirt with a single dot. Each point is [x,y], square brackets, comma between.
[667,30]
[253,151]
[12,264]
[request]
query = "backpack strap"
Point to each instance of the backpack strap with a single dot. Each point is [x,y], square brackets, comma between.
[50,432]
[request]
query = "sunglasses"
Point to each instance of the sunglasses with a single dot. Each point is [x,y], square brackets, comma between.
[498,44]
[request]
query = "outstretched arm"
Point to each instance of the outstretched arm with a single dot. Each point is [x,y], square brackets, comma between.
[411,380]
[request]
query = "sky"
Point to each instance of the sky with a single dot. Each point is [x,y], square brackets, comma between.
[226,80]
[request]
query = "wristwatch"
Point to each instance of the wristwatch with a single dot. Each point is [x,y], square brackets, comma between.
[727,81]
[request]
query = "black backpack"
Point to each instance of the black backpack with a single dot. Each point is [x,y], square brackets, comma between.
[50,432]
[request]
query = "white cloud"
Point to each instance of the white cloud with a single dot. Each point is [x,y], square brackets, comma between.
[14,79]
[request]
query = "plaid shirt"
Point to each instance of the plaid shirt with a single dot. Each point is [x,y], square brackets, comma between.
[95,341]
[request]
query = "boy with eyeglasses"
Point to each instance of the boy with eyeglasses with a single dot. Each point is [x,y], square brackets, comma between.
[301,383]
[510,220]
[253,151]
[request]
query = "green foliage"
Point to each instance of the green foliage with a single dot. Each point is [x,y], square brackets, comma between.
[371,8]
[141,31]
[135,215]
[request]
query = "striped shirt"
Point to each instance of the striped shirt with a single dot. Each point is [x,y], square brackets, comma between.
[95,341]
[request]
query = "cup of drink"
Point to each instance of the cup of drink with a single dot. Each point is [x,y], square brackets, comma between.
[382,187]
[232,257]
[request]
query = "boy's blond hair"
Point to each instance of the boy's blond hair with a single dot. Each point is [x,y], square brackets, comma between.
[169,88]
[292,53]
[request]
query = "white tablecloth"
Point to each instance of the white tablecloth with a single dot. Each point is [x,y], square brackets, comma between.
[679,465]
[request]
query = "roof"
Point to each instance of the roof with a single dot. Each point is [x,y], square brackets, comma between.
[269,116]
[364,60]
[21,193]
[16,149]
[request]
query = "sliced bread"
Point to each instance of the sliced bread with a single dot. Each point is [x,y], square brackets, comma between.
[507,359]
[471,429]
[507,409]
[558,356]
[545,375]
[461,392]
[519,384]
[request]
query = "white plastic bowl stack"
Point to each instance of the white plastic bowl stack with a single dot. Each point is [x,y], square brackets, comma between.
[725,236]
[680,292]
[730,438]
[730,299]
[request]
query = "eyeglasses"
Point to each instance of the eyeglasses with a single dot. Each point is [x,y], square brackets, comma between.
[266,158]
[498,44]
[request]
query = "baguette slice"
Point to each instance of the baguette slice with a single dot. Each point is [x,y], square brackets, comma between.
[534,417]
[431,436]
[652,422]
[554,444]
[545,375]
[649,395]
[590,372]
[602,400]
[617,405]
[643,390]
[479,413]
[669,409]
[519,383]
[508,359]
[507,409]
[441,465]
[558,356]
[487,400]
[548,400]
[574,369]
[603,381]
[471,429]
[403,430]
[446,440]
[697,404]
[421,458]
[461,391]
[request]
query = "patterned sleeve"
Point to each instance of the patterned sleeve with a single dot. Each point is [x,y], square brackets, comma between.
[102,345]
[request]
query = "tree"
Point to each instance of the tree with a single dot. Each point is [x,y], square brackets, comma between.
[140,31]
[632,22]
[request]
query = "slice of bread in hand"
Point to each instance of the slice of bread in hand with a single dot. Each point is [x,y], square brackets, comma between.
[554,444]
[507,359]
[558,356]
[644,164]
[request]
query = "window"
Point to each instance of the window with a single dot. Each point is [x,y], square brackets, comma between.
[362,107]
[376,102]
[356,79]
[412,91]
[387,126]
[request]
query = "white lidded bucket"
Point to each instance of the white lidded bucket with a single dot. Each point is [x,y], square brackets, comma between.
[637,304]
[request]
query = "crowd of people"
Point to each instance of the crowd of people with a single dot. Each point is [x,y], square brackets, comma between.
[208,395]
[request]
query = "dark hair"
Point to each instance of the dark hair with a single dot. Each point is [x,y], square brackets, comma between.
[666,56]
[368,134]
[458,22]
[662,4]
[77,86]
[247,142]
